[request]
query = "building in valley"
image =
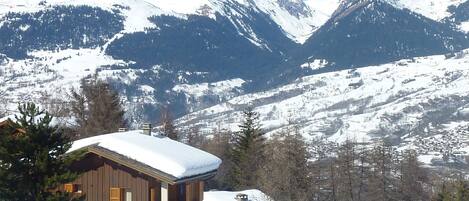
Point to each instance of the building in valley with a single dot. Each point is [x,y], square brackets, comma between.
[134,166]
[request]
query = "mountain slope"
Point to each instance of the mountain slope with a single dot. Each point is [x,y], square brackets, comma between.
[436,10]
[204,44]
[44,30]
[192,54]
[42,40]
[373,32]
[422,103]
[460,15]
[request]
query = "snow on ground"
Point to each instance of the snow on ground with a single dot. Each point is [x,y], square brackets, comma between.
[180,6]
[202,89]
[433,9]
[147,89]
[464,26]
[316,64]
[302,27]
[253,195]
[427,159]
[363,104]
[156,152]
[324,7]
[136,12]
[35,77]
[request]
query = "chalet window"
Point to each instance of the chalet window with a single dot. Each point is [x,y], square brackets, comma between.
[116,194]
[72,188]
[78,188]
[128,195]
[69,188]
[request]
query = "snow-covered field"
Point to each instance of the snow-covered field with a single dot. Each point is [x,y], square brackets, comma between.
[433,9]
[49,74]
[464,26]
[253,195]
[407,102]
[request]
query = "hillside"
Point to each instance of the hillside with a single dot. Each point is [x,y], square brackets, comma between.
[362,69]
[421,103]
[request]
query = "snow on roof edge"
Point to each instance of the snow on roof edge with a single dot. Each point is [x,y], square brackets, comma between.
[161,153]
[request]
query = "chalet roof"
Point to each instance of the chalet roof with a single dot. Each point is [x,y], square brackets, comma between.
[4,122]
[157,156]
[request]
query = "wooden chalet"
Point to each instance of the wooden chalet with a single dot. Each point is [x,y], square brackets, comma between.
[131,166]
[7,124]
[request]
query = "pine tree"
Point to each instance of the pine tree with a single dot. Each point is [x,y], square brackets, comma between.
[32,158]
[97,109]
[248,151]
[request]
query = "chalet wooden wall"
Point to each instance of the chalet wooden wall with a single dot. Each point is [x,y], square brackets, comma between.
[100,175]
[195,191]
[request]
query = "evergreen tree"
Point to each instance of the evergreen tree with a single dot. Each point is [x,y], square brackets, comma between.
[248,151]
[97,109]
[32,158]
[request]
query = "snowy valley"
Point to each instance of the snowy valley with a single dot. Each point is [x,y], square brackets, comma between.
[365,70]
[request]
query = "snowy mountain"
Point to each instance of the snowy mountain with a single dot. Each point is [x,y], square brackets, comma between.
[375,32]
[194,54]
[421,103]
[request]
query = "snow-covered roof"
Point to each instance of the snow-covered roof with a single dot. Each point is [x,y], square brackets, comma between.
[161,153]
